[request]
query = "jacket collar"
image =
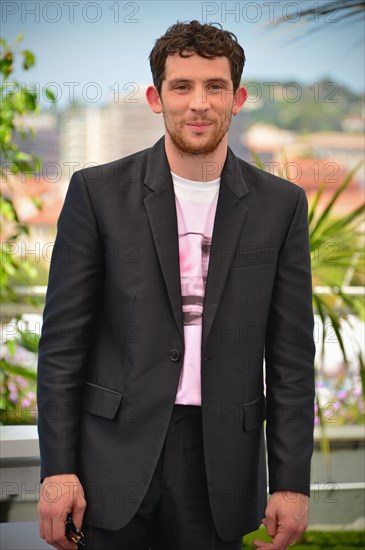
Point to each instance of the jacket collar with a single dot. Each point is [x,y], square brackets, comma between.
[158,176]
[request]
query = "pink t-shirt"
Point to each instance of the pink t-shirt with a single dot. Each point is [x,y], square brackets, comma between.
[196,204]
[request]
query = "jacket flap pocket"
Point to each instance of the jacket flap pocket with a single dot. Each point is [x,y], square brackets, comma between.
[101,401]
[256,256]
[254,413]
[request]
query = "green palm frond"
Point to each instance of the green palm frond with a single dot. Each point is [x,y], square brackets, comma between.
[317,222]
[315,201]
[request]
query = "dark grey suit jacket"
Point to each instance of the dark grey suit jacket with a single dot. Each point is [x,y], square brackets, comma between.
[112,342]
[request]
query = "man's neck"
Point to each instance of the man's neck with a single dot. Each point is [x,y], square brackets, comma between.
[196,167]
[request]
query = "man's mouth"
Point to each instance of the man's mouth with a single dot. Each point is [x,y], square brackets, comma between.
[198,125]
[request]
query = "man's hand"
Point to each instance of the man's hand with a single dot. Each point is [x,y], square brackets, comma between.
[60,495]
[286,519]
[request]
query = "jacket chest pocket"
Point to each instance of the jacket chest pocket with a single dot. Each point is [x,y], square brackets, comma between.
[253,257]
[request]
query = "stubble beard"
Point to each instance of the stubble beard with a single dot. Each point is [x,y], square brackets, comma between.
[206,146]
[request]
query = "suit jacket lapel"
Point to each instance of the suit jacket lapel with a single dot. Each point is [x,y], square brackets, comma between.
[230,216]
[161,211]
[229,219]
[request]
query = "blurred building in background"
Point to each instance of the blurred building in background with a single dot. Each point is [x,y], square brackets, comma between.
[95,135]
[312,159]
[43,141]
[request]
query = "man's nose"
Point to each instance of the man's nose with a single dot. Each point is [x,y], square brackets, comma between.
[199,100]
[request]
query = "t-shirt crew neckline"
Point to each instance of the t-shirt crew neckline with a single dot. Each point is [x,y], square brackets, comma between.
[195,185]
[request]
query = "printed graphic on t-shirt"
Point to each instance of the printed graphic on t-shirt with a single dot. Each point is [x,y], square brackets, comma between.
[194,261]
[196,204]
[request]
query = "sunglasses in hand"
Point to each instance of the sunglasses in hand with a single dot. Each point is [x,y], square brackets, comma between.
[73,533]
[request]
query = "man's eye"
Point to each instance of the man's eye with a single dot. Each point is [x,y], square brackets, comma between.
[181,87]
[215,88]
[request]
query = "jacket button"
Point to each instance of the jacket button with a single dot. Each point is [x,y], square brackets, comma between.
[175,355]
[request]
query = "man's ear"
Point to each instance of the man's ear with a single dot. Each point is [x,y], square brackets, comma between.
[239,99]
[153,99]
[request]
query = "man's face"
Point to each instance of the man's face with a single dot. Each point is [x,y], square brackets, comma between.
[197,101]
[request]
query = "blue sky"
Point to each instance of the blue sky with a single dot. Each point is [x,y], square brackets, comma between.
[108,42]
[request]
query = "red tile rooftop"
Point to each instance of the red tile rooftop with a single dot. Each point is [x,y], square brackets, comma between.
[49,214]
[311,172]
[30,187]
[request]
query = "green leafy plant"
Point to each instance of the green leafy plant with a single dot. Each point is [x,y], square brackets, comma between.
[337,250]
[337,259]
[16,102]
[312,540]
[17,390]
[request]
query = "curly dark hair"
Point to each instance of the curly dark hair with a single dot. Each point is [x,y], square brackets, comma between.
[205,40]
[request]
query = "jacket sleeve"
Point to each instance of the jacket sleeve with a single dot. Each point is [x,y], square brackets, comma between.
[76,274]
[289,360]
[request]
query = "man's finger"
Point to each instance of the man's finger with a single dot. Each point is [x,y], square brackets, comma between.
[47,530]
[54,539]
[58,523]
[261,545]
[78,515]
[59,535]
[271,525]
[282,540]
[40,525]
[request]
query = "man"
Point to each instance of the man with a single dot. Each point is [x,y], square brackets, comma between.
[174,272]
